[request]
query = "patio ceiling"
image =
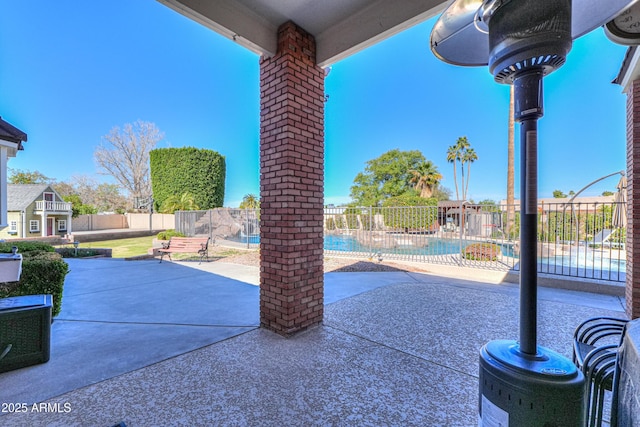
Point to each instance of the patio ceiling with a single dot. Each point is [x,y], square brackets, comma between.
[340,27]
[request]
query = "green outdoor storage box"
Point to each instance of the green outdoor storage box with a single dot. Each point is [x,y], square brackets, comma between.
[25,331]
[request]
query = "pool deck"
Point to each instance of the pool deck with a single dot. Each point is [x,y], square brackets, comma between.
[180,344]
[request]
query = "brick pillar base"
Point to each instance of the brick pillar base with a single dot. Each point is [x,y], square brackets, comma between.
[632,293]
[291,184]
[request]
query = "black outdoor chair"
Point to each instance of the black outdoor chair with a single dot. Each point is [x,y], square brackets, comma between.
[595,353]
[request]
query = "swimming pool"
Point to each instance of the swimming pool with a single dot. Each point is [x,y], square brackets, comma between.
[581,263]
[346,243]
[431,246]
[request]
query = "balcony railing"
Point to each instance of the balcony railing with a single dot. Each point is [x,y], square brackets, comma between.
[50,206]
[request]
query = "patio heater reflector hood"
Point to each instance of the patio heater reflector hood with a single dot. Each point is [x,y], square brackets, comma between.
[521,41]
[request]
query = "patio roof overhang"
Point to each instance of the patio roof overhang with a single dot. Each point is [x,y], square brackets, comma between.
[340,27]
[630,69]
[11,137]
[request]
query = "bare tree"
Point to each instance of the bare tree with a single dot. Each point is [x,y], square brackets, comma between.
[102,197]
[84,186]
[124,154]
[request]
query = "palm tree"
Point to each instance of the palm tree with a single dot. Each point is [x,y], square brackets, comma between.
[184,202]
[425,177]
[250,201]
[469,156]
[462,144]
[456,153]
[452,157]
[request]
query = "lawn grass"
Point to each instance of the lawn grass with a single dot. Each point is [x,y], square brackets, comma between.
[136,246]
[123,248]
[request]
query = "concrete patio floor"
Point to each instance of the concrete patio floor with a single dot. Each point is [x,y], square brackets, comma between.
[179,344]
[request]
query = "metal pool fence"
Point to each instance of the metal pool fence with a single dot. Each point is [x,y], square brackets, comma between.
[584,240]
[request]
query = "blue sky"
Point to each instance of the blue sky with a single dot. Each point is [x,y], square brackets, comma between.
[72,70]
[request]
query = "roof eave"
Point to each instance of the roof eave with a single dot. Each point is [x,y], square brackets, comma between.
[630,68]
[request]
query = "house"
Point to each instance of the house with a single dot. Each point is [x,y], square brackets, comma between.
[11,139]
[35,210]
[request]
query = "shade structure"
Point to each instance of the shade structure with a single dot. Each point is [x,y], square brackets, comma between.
[619,216]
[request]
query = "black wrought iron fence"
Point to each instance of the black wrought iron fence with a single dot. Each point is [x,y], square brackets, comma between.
[584,240]
[234,227]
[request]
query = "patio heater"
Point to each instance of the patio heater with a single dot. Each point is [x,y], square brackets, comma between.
[521,383]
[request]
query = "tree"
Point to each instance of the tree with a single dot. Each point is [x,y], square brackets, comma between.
[608,193]
[488,202]
[452,157]
[469,157]
[461,152]
[107,198]
[425,178]
[18,176]
[250,201]
[385,176]
[558,194]
[184,202]
[77,207]
[441,193]
[124,154]
[89,196]
[201,172]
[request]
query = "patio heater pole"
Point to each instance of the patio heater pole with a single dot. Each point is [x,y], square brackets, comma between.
[150,213]
[528,109]
[522,384]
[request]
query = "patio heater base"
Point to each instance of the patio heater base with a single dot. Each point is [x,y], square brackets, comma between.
[518,389]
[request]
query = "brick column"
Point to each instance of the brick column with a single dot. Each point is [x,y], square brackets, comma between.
[291,184]
[632,293]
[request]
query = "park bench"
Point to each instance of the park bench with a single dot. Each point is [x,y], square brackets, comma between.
[199,245]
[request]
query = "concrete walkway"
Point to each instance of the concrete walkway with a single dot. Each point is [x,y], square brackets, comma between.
[179,344]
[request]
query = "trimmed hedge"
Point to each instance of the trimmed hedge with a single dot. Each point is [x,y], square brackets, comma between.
[43,272]
[200,172]
[24,247]
[81,252]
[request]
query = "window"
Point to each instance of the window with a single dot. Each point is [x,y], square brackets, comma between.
[34,226]
[13,227]
[62,225]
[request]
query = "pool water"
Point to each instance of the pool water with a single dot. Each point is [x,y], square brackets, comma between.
[434,245]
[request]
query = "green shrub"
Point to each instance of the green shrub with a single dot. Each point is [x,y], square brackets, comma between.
[43,272]
[330,224]
[77,253]
[411,212]
[409,199]
[200,172]
[482,252]
[168,234]
[23,247]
